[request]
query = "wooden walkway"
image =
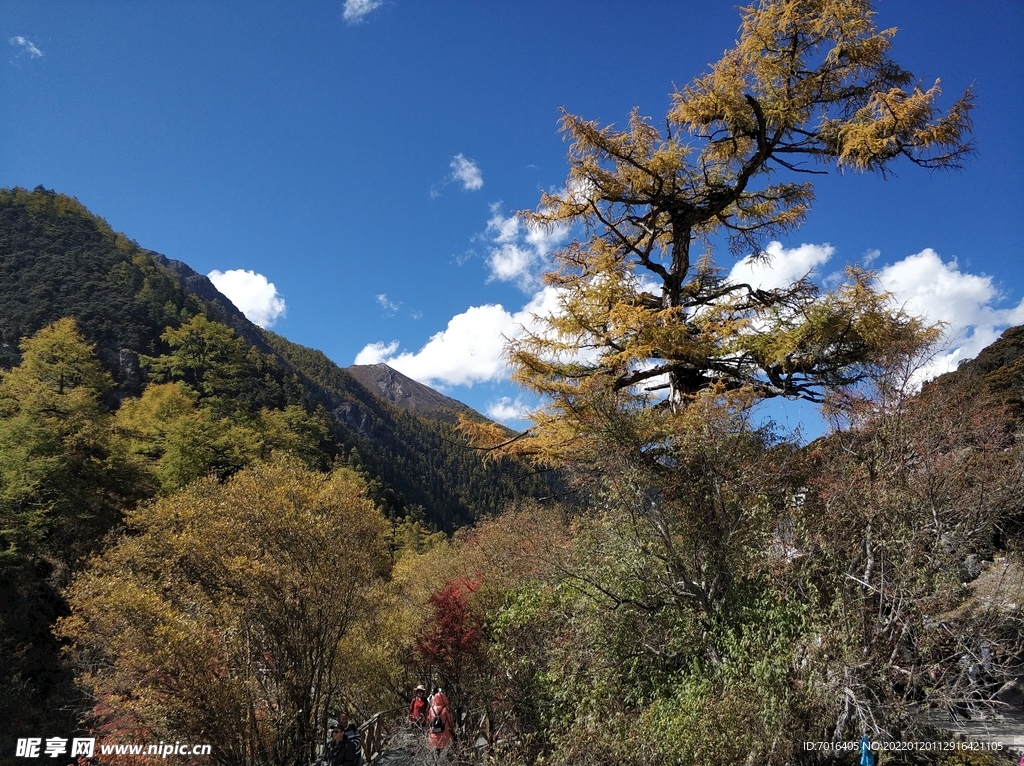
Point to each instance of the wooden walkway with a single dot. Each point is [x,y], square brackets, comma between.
[391,741]
[405,745]
[1005,728]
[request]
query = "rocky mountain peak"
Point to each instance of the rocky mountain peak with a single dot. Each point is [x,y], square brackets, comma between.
[404,392]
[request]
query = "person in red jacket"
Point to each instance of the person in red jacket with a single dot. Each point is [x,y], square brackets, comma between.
[418,706]
[439,722]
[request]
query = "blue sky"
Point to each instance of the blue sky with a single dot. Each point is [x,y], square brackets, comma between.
[365,157]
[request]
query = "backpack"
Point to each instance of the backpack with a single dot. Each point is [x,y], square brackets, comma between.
[437,724]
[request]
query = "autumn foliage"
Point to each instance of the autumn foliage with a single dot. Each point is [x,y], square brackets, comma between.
[232,613]
[705,590]
[451,640]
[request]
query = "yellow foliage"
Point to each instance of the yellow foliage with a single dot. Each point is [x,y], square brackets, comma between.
[643,326]
[238,613]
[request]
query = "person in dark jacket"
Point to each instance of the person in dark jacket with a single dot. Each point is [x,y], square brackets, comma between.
[335,751]
[344,749]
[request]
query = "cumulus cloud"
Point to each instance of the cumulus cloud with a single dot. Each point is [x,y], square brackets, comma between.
[470,349]
[254,296]
[518,250]
[466,171]
[780,267]
[512,263]
[357,10]
[26,45]
[375,353]
[924,285]
[505,410]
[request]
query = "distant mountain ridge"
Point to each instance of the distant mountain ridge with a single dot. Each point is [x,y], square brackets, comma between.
[402,391]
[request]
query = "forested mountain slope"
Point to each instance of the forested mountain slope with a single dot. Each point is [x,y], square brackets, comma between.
[126,376]
[58,260]
[424,459]
[998,368]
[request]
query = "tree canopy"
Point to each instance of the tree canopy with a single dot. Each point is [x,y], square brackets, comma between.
[61,471]
[644,316]
[223,612]
[726,594]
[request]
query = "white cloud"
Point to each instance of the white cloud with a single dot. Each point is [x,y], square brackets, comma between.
[357,10]
[926,286]
[505,410]
[467,172]
[254,296]
[779,267]
[375,353]
[520,248]
[470,349]
[922,284]
[26,45]
[512,263]
[502,230]
[388,305]
[544,239]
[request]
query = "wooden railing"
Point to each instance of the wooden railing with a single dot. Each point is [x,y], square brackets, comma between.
[379,731]
[372,735]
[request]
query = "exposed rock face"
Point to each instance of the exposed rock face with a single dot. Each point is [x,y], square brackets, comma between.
[354,417]
[404,392]
[200,285]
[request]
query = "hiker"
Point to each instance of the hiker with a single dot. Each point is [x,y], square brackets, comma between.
[354,745]
[344,749]
[439,722]
[418,707]
[335,750]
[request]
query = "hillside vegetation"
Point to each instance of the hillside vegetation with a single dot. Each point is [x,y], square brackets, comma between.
[127,376]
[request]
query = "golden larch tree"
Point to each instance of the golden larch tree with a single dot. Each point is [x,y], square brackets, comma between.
[648,315]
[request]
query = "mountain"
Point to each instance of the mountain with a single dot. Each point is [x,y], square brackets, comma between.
[263,395]
[59,260]
[999,368]
[408,394]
